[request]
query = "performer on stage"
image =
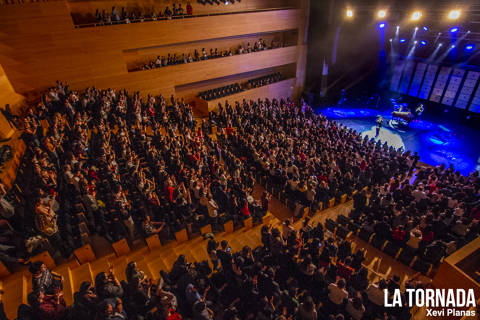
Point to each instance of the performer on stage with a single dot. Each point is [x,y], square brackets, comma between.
[379,125]
[418,111]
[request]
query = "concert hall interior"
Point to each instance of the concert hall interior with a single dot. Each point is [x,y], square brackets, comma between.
[239,159]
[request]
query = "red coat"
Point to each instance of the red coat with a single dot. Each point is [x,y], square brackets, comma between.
[245,211]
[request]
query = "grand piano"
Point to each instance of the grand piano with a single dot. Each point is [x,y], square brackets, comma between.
[406,116]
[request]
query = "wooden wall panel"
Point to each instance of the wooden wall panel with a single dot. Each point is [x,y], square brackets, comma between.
[154,81]
[7,96]
[40,45]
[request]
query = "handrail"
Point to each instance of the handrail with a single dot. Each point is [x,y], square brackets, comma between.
[104,24]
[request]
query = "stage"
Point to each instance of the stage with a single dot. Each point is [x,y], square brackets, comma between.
[435,141]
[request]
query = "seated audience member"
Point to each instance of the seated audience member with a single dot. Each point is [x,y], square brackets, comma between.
[48,307]
[355,308]
[189,9]
[376,295]
[43,279]
[337,293]
[152,227]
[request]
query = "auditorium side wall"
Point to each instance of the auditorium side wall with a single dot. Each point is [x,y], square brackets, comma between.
[39,45]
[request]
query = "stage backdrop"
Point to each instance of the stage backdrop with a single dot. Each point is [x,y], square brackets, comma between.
[453,86]
[440,84]
[407,75]
[475,106]
[417,79]
[467,89]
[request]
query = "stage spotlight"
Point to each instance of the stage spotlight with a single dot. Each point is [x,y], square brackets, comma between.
[425,29]
[381,25]
[452,46]
[416,15]
[391,40]
[454,14]
[423,43]
[402,40]
[415,42]
[381,14]
[226,2]
[398,28]
[469,47]
[454,29]
[440,44]
[349,13]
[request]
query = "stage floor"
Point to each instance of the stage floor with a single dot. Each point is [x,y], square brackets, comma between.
[436,142]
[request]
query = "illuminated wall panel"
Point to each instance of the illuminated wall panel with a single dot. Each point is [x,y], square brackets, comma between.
[428,82]
[442,79]
[397,74]
[417,79]
[453,86]
[467,89]
[407,75]
[475,106]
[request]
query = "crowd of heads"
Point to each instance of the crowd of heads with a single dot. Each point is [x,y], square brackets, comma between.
[221,92]
[174,59]
[112,163]
[314,159]
[218,2]
[303,274]
[142,166]
[134,15]
[433,214]
[232,89]
[265,80]
[22,1]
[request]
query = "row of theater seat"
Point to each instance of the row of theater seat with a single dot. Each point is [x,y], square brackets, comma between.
[405,254]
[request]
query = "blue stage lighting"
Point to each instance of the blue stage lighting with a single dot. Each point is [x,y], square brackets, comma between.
[469,47]
[381,25]
[423,43]
[425,28]
[402,40]
[454,29]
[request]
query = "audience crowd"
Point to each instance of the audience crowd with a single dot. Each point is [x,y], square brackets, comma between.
[24,1]
[264,81]
[303,275]
[134,15]
[173,59]
[231,89]
[218,2]
[221,92]
[431,216]
[112,163]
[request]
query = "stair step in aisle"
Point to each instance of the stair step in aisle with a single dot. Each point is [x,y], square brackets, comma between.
[16,294]
[102,264]
[68,291]
[119,266]
[81,274]
[155,266]
[138,254]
